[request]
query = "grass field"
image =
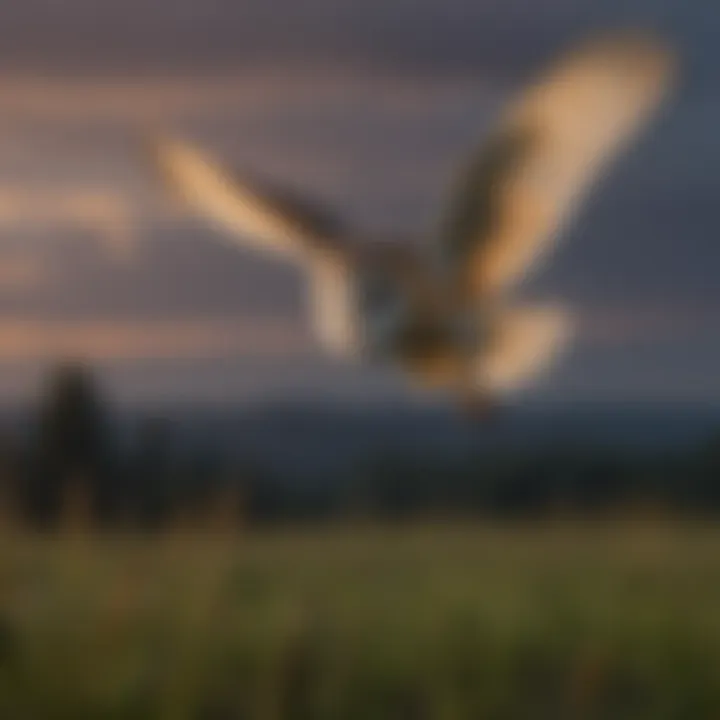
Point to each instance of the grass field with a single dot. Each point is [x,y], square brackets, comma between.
[446,622]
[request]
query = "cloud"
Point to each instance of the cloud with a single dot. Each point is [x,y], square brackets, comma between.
[623,327]
[84,36]
[98,341]
[259,91]
[106,213]
[22,273]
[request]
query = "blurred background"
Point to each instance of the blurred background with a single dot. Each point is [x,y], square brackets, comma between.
[371,106]
[153,377]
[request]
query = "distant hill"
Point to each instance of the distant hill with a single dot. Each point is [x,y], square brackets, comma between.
[311,440]
[318,441]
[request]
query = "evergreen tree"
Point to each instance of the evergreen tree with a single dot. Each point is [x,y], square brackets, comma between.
[70,445]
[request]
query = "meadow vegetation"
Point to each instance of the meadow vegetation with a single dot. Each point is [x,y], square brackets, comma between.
[436,621]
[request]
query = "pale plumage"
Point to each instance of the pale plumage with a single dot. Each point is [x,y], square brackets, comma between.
[528,179]
[444,315]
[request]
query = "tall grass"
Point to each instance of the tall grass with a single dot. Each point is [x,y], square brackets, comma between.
[446,622]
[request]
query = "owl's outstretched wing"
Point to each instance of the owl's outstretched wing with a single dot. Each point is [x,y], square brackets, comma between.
[257,215]
[525,183]
[263,218]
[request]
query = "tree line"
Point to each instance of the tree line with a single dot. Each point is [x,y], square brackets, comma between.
[72,455]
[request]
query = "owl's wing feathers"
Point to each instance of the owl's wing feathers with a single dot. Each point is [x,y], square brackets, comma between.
[270,220]
[524,185]
[523,344]
[257,215]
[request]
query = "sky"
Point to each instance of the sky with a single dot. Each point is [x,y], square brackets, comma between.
[368,105]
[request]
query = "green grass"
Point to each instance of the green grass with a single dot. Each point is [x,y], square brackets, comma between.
[435,622]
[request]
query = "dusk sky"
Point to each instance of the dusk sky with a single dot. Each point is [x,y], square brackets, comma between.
[370,105]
